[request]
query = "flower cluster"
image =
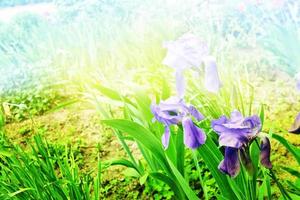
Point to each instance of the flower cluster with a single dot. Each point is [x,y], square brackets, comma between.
[235,133]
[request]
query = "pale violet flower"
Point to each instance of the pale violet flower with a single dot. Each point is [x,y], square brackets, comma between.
[298,81]
[174,111]
[189,51]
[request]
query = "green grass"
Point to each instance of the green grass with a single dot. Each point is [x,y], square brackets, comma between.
[45,173]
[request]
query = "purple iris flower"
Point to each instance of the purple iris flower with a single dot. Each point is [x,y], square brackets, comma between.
[296,125]
[174,111]
[236,134]
[189,51]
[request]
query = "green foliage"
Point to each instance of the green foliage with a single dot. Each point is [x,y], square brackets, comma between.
[23,103]
[45,173]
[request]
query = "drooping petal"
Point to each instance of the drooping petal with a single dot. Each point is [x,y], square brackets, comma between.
[211,81]
[195,113]
[265,151]
[230,165]
[180,83]
[165,139]
[246,160]
[193,136]
[296,125]
[298,81]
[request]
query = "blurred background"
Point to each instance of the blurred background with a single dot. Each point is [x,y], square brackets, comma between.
[54,53]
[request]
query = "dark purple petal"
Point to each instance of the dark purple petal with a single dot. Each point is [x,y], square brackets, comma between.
[296,125]
[230,165]
[195,113]
[165,139]
[193,136]
[265,151]
[246,160]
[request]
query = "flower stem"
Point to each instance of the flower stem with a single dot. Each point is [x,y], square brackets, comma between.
[200,176]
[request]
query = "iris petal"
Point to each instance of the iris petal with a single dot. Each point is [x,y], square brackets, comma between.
[195,113]
[193,136]
[265,150]
[166,137]
[234,139]
[217,124]
[296,125]
[230,165]
[212,81]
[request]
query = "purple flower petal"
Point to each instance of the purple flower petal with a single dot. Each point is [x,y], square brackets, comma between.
[298,81]
[170,111]
[246,160]
[236,131]
[234,139]
[217,124]
[195,113]
[236,117]
[165,139]
[265,151]
[193,136]
[187,51]
[211,81]
[296,125]
[230,165]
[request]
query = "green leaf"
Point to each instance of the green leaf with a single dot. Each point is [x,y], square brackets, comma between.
[291,148]
[212,156]
[184,185]
[109,92]
[179,194]
[291,171]
[122,162]
[144,103]
[144,137]
[131,172]
[262,114]
[20,191]
[144,178]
